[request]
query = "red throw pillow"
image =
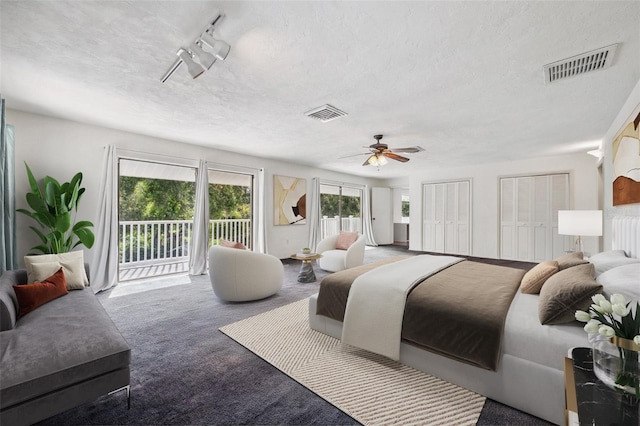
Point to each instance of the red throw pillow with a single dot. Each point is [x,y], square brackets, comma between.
[232,244]
[31,296]
[345,239]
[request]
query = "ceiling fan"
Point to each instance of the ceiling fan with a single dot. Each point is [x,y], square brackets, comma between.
[379,152]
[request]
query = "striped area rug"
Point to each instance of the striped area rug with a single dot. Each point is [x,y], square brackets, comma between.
[372,389]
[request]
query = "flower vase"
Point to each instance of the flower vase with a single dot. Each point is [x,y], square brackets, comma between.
[616,364]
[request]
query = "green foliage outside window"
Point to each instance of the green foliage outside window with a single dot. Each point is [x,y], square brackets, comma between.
[329,205]
[159,199]
[144,199]
[405,209]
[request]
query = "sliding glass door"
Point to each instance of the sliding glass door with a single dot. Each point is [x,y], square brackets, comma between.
[231,207]
[340,209]
[156,209]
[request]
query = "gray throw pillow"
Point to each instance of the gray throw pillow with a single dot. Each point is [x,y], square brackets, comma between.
[565,292]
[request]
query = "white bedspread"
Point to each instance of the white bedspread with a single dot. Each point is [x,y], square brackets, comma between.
[375,306]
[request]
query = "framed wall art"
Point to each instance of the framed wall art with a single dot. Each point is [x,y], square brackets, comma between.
[626,161]
[289,200]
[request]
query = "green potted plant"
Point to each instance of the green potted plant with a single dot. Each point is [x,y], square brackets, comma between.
[54,207]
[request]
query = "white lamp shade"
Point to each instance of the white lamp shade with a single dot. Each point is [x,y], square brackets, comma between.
[580,222]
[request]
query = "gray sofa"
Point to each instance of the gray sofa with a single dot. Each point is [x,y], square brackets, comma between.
[63,354]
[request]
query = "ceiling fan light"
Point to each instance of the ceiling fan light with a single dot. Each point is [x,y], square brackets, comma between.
[374,160]
[220,48]
[195,69]
[382,160]
[206,59]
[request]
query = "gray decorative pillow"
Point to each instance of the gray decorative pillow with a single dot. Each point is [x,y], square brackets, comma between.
[571,259]
[565,292]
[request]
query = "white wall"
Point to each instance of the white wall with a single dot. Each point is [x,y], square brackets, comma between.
[61,148]
[607,165]
[485,195]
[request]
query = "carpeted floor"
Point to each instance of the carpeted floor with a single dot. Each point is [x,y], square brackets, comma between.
[184,371]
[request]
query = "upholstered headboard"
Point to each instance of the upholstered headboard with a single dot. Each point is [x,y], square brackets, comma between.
[626,235]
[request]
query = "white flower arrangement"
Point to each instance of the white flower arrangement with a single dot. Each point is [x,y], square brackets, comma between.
[611,318]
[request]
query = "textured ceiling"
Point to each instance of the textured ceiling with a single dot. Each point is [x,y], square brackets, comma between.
[463,80]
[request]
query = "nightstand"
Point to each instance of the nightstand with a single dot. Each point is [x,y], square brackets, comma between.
[588,401]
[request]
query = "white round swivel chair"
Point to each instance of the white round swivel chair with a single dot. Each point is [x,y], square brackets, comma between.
[334,260]
[239,275]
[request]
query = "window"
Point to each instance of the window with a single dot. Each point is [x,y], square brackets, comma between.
[405,208]
[340,209]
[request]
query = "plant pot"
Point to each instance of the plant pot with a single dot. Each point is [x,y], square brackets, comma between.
[306,251]
[616,364]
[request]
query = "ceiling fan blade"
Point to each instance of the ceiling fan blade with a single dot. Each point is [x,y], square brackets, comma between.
[355,155]
[395,157]
[366,162]
[411,149]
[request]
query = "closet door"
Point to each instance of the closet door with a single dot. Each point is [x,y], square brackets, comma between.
[447,217]
[529,214]
[541,217]
[508,218]
[559,201]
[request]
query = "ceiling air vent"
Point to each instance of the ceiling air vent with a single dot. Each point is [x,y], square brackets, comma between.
[325,113]
[598,59]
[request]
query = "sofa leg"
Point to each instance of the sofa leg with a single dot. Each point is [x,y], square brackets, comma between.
[128,390]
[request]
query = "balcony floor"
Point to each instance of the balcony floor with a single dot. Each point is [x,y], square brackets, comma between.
[150,270]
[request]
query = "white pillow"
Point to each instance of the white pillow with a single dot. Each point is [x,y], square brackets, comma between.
[72,264]
[610,259]
[624,280]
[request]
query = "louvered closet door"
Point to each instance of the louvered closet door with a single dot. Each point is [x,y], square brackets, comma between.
[523,218]
[528,216]
[559,201]
[429,220]
[447,217]
[541,218]
[464,218]
[508,218]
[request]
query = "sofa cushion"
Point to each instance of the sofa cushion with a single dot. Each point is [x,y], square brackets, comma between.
[31,296]
[66,341]
[8,300]
[72,263]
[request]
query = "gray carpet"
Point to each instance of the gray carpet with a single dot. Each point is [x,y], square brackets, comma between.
[184,371]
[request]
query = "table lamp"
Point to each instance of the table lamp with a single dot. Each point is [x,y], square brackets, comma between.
[582,223]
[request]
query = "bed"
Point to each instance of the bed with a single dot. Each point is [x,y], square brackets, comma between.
[529,375]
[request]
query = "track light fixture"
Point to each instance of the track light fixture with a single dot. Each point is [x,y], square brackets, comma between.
[195,69]
[218,50]
[206,59]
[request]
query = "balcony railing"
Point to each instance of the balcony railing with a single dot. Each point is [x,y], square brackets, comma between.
[165,241]
[153,241]
[331,225]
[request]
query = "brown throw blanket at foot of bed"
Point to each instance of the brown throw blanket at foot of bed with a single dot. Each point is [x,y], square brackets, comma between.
[459,312]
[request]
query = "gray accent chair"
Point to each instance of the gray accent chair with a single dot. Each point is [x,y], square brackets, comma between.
[63,354]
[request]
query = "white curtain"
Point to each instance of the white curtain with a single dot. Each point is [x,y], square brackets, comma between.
[313,213]
[260,214]
[367,226]
[199,244]
[104,262]
[8,252]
